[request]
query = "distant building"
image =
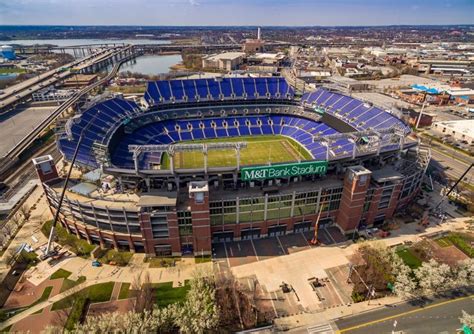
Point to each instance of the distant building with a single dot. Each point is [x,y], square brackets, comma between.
[254,45]
[51,94]
[224,61]
[80,80]
[7,52]
[462,130]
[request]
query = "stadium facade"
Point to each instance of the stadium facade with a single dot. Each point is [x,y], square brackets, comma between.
[216,160]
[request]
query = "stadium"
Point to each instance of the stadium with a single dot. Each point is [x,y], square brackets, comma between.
[203,161]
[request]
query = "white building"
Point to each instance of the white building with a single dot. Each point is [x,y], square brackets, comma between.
[460,131]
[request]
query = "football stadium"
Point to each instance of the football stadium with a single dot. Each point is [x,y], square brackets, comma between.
[203,161]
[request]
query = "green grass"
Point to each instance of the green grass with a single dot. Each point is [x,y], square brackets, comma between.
[96,293]
[78,246]
[121,258]
[124,291]
[260,150]
[165,294]
[463,242]
[44,296]
[12,70]
[69,283]
[409,258]
[443,242]
[160,262]
[60,273]
[202,259]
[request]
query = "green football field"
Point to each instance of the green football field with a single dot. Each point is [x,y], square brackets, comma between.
[260,150]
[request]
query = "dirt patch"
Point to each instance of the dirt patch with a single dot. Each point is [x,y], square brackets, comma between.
[450,255]
[27,293]
[121,306]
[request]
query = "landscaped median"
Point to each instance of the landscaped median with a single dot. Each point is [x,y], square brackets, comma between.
[78,246]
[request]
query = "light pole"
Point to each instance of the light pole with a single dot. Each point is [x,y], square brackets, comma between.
[63,191]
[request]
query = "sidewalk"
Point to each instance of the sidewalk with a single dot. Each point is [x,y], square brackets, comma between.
[30,228]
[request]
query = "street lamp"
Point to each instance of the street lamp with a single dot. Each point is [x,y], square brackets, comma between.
[63,191]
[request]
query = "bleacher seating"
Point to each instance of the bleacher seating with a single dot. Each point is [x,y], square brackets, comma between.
[354,112]
[94,124]
[193,90]
[170,131]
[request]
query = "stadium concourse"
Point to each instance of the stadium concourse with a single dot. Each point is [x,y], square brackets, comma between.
[204,161]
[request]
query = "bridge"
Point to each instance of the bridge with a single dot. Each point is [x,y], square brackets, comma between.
[11,157]
[21,92]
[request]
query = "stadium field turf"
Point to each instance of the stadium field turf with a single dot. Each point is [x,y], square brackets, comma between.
[260,150]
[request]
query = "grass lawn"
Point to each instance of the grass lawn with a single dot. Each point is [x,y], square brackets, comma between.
[202,259]
[12,70]
[124,291]
[69,283]
[443,242]
[78,246]
[60,273]
[463,242]
[409,258]
[96,293]
[165,294]
[160,262]
[260,150]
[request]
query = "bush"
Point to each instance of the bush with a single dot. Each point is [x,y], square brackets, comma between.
[121,258]
[357,297]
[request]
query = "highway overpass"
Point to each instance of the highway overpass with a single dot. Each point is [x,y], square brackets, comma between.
[21,92]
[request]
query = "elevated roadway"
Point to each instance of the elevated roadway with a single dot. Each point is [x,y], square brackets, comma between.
[11,157]
[22,91]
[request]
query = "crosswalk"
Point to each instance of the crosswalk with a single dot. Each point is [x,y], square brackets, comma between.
[321,329]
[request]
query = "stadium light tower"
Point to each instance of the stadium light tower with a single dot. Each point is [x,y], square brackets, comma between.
[63,191]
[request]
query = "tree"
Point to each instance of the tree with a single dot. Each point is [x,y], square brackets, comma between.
[467,319]
[404,284]
[144,293]
[433,277]
[25,211]
[463,274]
[199,313]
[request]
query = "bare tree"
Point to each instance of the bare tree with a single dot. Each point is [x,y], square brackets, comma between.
[25,211]
[144,293]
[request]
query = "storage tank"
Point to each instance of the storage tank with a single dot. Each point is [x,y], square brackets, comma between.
[7,52]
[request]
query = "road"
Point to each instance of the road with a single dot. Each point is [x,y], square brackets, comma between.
[438,316]
[454,163]
[21,91]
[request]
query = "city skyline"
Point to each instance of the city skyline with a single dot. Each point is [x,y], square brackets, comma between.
[239,13]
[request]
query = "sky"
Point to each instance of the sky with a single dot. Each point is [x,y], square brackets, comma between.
[236,12]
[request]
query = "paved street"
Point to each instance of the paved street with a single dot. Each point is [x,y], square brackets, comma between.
[437,316]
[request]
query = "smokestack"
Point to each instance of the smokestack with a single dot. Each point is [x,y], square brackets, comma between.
[258,33]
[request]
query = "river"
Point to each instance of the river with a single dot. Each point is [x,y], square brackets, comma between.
[151,65]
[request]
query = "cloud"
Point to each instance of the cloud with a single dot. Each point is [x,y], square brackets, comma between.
[194,3]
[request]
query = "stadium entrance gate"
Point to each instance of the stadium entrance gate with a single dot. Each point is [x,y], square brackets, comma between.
[250,234]
[274,231]
[222,237]
[302,227]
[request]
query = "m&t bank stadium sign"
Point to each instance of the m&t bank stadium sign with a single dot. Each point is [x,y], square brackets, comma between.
[283,170]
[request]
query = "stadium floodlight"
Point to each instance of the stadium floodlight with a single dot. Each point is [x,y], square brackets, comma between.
[63,191]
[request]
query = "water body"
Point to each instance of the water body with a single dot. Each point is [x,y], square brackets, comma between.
[151,65]
[5,76]
[70,42]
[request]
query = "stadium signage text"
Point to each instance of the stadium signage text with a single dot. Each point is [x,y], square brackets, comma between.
[283,170]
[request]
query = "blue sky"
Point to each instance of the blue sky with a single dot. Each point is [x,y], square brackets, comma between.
[236,12]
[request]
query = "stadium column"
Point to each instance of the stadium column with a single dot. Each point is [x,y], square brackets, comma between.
[356,183]
[201,221]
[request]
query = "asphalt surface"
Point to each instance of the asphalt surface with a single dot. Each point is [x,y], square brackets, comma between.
[439,315]
[453,162]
